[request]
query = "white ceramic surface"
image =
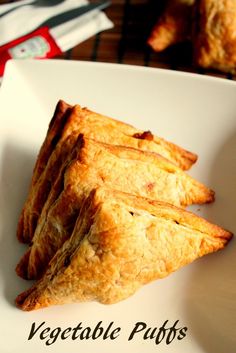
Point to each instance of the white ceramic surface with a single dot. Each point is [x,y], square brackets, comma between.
[197,112]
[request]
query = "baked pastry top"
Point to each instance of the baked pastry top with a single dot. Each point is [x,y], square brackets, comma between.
[119,243]
[215,35]
[111,131]
[63,131]
[126,169]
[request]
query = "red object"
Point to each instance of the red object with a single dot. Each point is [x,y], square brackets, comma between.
[38,44]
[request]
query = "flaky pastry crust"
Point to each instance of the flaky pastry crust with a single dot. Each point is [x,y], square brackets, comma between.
[215,35]
[119,243]
[27,222]
[126,169]
[78,120]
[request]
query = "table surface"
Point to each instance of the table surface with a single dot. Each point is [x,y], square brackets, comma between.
[126,42]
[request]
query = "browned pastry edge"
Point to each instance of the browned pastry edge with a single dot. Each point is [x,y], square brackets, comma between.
[44,292]
[181,157]
[55,129]
[56,125]
[22,266]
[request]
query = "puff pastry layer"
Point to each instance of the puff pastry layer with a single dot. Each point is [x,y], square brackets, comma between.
[27,221]
[126,169]
[63,131]
[119,243]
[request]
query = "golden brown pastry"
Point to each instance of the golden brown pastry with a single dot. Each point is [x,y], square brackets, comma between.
[130,170]
[119,243]
[25,225]
[55,130]
[81,120]
[173,26]
[215,35]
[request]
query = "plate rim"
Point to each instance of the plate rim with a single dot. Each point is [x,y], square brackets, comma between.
[14,63]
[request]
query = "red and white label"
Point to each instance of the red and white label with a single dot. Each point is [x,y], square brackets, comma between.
[36,45]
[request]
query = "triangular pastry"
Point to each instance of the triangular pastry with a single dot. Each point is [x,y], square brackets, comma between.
[81,120]
[126,169]
[119,243]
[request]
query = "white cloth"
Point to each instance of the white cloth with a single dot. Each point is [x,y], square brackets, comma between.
[25,19]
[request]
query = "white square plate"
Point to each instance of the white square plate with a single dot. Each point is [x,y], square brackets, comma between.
[197,112]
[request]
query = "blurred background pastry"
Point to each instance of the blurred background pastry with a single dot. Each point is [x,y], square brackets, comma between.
[173,26]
